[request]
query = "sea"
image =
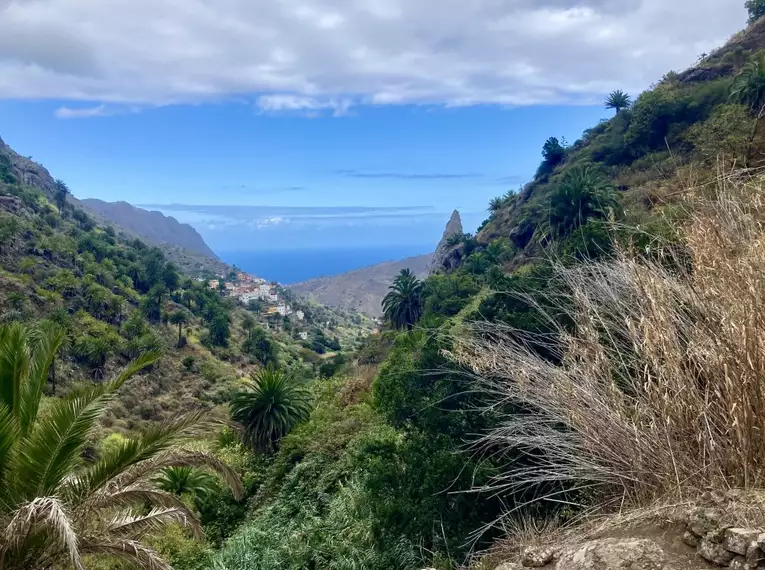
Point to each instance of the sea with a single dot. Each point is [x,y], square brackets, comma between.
[295,265]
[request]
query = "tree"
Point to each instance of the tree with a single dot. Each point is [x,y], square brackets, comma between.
[179,318]
[582,194]
[185,480]
[756,9]
[96,350]
[495,204]
[248,324]
[60,194]
[273,404]
[618,100]
[748,87]
[219,329]
[402,305]
[258,345]
[553,152]
[53,508]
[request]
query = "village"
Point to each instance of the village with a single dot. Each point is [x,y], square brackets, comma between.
[263,297]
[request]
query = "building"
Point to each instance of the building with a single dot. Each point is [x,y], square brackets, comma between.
[212,283]
[303,335]
[300,315]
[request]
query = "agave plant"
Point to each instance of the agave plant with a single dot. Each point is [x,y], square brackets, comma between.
[402,305]
[53,511]
[270,407]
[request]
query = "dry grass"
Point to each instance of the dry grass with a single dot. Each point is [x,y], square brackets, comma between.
[661,389]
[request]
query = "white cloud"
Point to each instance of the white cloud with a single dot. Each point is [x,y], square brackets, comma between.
[102,110]
[309,106]
[314,56]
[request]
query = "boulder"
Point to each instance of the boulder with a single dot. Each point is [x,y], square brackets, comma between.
[614,553]
[536,557]
[714,552]
[738,539]
[453,227]
[509,566]
[703,520]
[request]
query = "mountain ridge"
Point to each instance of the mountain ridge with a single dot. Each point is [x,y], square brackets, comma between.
[362,289]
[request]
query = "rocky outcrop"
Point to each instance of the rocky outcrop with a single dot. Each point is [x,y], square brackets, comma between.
[442,257]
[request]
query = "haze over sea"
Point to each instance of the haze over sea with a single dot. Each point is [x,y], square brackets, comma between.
[295,265]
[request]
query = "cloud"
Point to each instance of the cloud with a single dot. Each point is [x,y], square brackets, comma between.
[308,106]
[88,112]
[313,57]
[408,175]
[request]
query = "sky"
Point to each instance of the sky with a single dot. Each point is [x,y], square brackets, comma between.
[287,124]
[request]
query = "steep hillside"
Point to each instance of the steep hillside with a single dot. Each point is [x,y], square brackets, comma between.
[180,242]
[157,229]
[361,290]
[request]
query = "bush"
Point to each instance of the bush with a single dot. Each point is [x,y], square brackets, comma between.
[726,134]
[661,383]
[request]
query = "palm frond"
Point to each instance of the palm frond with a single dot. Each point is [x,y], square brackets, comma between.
[43,514]
[46,342]
[155,440]
[133,526]
[14,365]
[133,495]
[129,550]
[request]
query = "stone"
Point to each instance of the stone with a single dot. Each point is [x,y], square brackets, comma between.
[714,552]
[536,557]
[738,539]
[615,553]
[754,554]
[739,563]
[453,227]
[703,520]
[761,541]
[691,539]
[508,566]
[717,535]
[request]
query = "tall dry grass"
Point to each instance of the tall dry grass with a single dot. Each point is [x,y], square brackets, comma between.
[662,386]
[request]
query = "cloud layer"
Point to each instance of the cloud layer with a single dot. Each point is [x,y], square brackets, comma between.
[325,56]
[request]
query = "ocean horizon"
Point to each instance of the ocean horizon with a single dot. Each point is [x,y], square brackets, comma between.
[295,265]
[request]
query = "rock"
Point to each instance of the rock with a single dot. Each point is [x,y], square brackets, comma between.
[535,557]
[754,554]
[453,227]
[704,520]
[761,541]
[508,566]
[714,552]
[614,553]
[739,563]
[691,539]
[738,539]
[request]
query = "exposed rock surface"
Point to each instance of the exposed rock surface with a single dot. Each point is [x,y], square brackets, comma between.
[614,553]
[442,254]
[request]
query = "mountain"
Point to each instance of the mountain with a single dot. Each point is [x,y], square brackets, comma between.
[180,242]
[158,229]
[361,290]
[453,228]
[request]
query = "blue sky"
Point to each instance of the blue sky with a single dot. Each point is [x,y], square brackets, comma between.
[407,109]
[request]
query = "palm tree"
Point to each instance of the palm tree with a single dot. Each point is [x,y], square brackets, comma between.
[60,194]
[179,318]
[618,100]
[748,87]
[187,480]
[495,204]
[402,305]
[584,193]
[272,405]
[53,510]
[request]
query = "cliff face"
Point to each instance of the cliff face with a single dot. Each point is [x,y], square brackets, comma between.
[441,257]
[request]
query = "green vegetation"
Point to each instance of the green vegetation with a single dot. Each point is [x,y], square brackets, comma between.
[53,509]
[403,304]
[618,100]
[756,9]
[273,404]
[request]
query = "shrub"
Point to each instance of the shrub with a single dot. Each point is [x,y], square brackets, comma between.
[662,381]
[726,134]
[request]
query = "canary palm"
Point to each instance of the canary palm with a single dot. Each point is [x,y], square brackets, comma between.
[582,194]
[402,305]
[748,87]
[186,480]
[618,100]
[270,407]
[52,512]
